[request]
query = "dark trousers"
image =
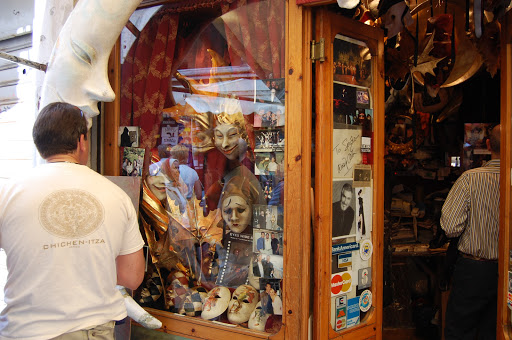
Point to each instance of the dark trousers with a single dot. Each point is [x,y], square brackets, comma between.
[471,310]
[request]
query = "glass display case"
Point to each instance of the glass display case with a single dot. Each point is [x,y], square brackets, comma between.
[204,104]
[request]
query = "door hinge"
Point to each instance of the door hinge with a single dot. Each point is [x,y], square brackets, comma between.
[318,50]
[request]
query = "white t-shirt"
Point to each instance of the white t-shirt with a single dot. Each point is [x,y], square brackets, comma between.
[62,226]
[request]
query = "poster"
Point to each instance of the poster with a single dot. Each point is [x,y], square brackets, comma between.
[346,153]
[343,209]
[363,212]
[352,62]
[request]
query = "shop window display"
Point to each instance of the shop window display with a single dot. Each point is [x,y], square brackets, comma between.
[206,90]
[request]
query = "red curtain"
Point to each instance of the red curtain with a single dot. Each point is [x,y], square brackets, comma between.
[257,37]
[145,77]
[254,33]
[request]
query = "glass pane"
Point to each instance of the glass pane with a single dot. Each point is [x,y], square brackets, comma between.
[205,89]
[352,194]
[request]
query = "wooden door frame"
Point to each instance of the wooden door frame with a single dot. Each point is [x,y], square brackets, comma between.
[504,330]
[374,37]
[297,218]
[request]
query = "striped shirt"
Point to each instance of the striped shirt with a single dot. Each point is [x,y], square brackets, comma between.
[472,211]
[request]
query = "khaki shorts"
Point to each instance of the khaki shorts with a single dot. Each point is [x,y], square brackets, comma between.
[101,332]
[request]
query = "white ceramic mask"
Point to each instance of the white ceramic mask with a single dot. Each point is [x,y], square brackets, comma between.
[77,70]
[216,302]
[242,304]
[258,318]
[392,19]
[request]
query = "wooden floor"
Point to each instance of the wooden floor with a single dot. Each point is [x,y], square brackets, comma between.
[399,334]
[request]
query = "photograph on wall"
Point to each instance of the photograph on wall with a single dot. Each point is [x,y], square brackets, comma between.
[268,163]
[363,98]
[267,242]
[128,136]
[363,217]
[268,217]
[133,161]
[268,115]
[344,103]
[268,140]
[270,296]
[362,175]
[343,209]
[271,91]
[352,61]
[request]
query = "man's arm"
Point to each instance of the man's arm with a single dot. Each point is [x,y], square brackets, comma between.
[130,269]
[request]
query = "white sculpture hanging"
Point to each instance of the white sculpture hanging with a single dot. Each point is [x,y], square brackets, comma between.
[77,70]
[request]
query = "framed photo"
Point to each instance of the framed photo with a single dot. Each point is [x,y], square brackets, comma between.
[267,242]
[271,90]
[352,62]
[128,136]
[362,98]
[269,217]
[269,115]
[344,103]
[270,296]
[343,209]
[268,140]
[133,161]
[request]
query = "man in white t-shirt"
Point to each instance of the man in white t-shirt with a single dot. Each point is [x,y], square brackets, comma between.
[70,236]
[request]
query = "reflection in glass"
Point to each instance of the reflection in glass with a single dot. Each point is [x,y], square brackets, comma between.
[206,87]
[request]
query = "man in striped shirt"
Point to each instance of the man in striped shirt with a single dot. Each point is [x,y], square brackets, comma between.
[471,211]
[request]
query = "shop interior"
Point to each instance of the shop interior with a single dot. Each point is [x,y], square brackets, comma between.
[442,97]
[436,127]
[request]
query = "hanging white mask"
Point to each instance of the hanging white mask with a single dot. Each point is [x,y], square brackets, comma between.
[242,304]
[258,318]
[216,302]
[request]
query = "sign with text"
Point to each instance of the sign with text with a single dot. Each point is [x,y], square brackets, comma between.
[346,152]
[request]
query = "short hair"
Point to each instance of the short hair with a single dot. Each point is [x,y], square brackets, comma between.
[346,187]
[495,137]
[164,151]
[180,152]
[58,128]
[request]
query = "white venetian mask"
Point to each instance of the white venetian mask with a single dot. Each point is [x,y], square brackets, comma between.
[216,302]
[258,318]
[242,304]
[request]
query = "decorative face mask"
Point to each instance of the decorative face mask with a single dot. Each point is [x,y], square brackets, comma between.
[242,304]
[77,71]
[258,318]
[157,181]
[392,19]
[227,140]
[216,302]
[237,213]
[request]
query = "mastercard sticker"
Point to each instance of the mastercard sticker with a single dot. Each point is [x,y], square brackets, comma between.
[341,283]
